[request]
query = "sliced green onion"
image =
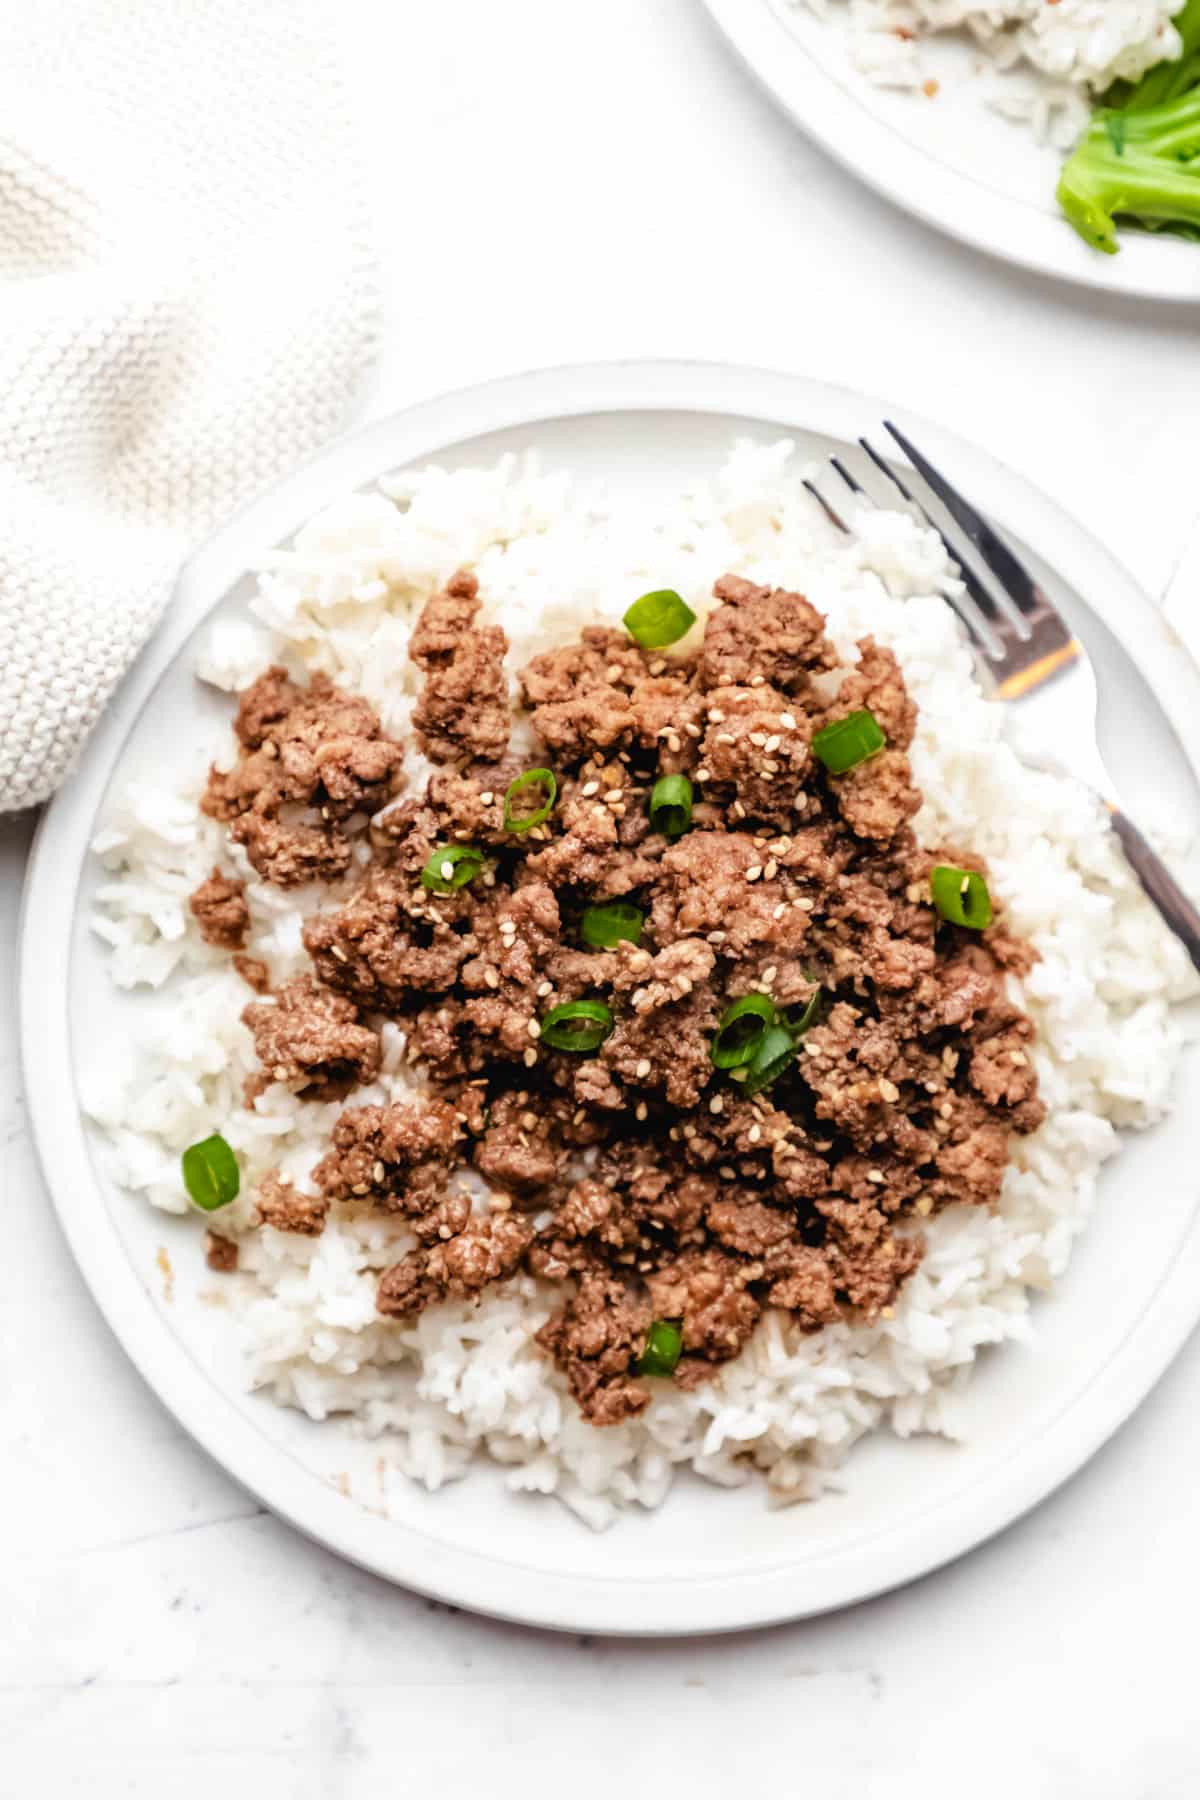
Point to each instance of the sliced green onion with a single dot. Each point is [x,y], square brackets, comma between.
[671,805]
[451,867]
[742,1029]
[809,1014]
[541,779]
[664,1343]
[776,1049]
[603,927]
[848,742]
[579,1025]
[662,617]
[210,1173]
[961,896]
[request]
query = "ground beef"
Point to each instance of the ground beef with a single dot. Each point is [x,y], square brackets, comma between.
[254,972]
[310,758]
[283,1205]
[312,1039]
[462,715]
[763,636]
[388,942]
[645,1180]
[486,1250]
[399,1157]
[595,1338]
[219,909]
[220,1253]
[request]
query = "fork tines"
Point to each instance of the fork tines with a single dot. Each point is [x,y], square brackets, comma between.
[1019,631]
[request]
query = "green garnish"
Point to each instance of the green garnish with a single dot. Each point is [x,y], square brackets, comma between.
[848,742]
[743,1027]
[776,1049]
[809,1014]
[671,805]
[451,867]
[664,1344]
[603,927]
[1136,160]
[578,1025]
[660,618]
[961,896]
[210,1173]
[516,819]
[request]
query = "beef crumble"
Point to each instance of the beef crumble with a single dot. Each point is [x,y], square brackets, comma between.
[639,1175]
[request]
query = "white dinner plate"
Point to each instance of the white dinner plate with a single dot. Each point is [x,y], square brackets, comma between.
[710,1560]
[950,160]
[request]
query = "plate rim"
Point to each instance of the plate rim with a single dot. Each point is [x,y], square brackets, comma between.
[727,1601]
[904,174]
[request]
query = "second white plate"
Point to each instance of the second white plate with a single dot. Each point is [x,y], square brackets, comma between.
[950,161]
[709,1560]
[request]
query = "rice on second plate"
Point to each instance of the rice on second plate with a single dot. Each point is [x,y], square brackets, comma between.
[461,1379]
[1069,50]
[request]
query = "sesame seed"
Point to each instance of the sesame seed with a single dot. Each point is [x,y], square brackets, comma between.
[716,1104]
[717,937]
[533,1028]
[500,1203]
[530,1057]
[614,794]
[758,681]
[589,788]
[360,1188]
[771,869]
[447,869]
[875,1175]
[726,1173]
[643,1069]
[759,739]
[777,912]
[658,668]
[338,952]
[812,1049]
[725,737]
[770,768]
[924,1206]
[673,743]
[788,721]
[487,799]
[715,714]
[280,1072]
[703,774]
[1018,1057]
[613,672]
[889,1091]
[693,731]
[753,873]
[805,904]
[754,1133]
[946,1109]
[528,1121]
[579,1115]
[544,988]
[491,978]
[772,743]
[641,1110]
[377,1172]
[769,973]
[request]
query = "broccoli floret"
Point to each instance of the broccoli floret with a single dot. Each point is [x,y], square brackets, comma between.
[1135,160]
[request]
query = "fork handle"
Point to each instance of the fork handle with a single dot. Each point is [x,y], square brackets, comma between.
[1160,885]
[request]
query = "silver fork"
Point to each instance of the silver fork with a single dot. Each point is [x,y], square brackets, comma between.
[1027,657]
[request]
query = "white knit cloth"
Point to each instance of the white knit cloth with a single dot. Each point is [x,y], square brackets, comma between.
[186,303]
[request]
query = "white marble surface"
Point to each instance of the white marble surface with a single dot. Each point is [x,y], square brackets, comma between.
[562,179]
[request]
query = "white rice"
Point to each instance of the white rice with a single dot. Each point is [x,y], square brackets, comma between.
[1056,57]
[463,1379]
